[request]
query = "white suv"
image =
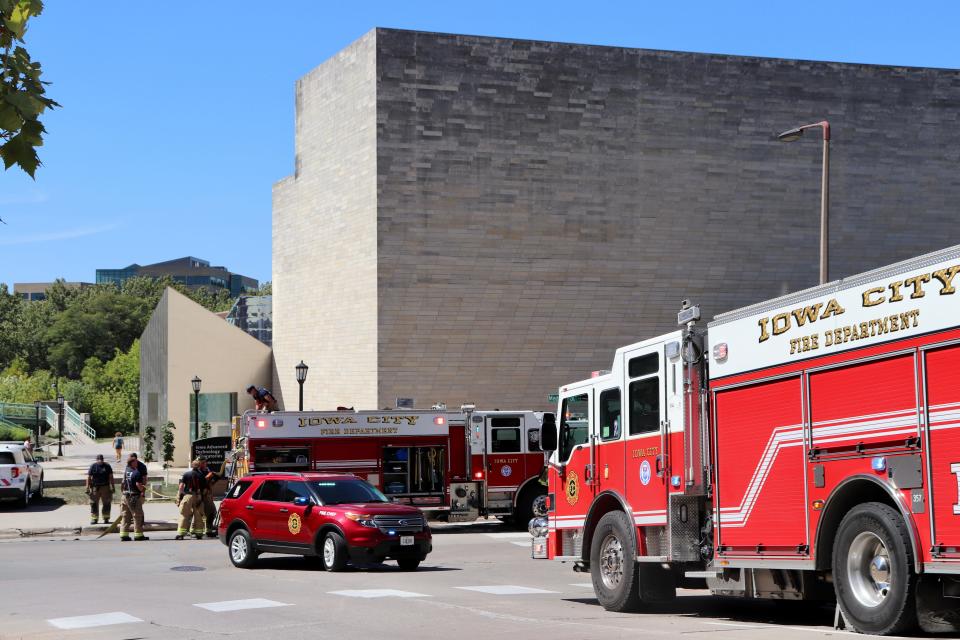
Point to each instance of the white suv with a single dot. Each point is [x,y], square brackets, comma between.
[21,477]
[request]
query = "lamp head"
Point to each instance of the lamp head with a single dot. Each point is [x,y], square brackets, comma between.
[791,135]
[301,371]
[196,384]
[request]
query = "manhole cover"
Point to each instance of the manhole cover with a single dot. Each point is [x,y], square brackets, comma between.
[188,567]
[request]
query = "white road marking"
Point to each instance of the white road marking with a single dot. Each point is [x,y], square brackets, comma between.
[505,590]
[585,585]
[378,593]
[521,544]
[238,605]
[509,534]
[824,631]
[96,620]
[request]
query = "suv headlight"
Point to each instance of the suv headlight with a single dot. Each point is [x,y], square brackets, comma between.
[361,519]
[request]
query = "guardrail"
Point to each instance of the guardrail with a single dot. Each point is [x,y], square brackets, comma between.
[26,414]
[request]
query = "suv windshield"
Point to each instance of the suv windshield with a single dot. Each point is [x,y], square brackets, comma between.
[346,491]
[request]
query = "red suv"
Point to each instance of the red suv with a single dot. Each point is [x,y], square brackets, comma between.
[336,517]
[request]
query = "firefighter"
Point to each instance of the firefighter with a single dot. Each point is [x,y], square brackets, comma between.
[190,501]
[263,399]
[131,506]
[209,508]
[100,489]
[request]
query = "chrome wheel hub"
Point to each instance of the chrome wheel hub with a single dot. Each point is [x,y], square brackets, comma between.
[329,552]
[868,569]
[238,548]
[611,562]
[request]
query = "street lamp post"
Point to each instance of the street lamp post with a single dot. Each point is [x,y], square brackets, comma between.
[196,407]
[796,134]
[301,378]
[36,442]
[60,425]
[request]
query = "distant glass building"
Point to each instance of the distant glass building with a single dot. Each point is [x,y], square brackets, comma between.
[192,272]
[254,314]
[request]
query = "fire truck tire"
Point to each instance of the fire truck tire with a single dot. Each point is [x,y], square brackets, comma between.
[242,550]
[333,552]
[613,565]
[524,513]
[873,570]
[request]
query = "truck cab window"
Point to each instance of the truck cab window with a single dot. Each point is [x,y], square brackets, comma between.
[574,424]
[610,414]
[645,405]
[505,440]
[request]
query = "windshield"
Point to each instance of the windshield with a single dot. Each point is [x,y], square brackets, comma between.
[347,491]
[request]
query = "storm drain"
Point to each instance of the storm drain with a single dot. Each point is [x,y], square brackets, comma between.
[188,567]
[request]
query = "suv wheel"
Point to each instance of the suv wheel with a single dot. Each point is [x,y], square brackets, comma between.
[333,552]
[40,489]
[26,496]
[242,551]
[408,564]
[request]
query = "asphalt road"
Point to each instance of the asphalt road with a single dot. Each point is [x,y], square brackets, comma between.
[477,584]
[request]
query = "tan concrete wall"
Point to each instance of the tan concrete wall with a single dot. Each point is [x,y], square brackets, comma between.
[325,238]
[199,343]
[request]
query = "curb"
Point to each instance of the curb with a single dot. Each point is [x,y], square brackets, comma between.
[13,533]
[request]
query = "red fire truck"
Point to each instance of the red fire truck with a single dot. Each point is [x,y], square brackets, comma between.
[813,452]
[465,463]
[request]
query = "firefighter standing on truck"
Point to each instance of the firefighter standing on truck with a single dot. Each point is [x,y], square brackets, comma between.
[209,508]
[100,489]
[190,501]
[131,505]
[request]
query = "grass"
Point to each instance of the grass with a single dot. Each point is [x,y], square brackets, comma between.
[78,495]
[17,434]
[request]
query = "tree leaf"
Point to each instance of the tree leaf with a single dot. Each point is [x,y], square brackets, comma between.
[18,150]
[10,120]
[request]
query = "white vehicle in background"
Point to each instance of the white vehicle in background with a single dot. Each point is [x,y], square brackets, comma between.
[21,477]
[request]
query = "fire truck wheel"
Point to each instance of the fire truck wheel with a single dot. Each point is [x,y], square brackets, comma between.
[873,570]
[242,551]
[334,552]
[613,564]
[524,513]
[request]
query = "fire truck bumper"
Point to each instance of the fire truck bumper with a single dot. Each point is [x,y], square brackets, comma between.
[538,548]
[391,549]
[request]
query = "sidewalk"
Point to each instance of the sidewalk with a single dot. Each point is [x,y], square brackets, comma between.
[72,467]
[74,519]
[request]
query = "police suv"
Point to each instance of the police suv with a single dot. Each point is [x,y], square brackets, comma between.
[21,477]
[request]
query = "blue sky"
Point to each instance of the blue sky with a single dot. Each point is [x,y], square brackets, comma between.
[178,117]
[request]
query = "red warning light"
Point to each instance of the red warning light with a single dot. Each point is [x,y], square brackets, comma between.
[261,424]
[478,475]
[439,420]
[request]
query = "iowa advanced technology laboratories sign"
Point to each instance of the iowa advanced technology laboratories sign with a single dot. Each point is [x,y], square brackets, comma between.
[907,299]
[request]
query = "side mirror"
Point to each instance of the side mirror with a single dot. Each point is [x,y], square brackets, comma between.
[302,502]
[548,432]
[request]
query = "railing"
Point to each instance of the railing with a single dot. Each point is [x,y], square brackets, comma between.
[26,414]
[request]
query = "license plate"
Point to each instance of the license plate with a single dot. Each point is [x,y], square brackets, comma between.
[406,541]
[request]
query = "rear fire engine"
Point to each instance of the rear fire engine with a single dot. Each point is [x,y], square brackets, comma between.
[429,459]
[812,453]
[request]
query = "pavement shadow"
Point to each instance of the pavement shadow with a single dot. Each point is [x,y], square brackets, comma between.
[777,612]
[298,563]
[36,505]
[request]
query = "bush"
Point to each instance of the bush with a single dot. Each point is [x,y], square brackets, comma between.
[16,434]
[167,444]
[149,438]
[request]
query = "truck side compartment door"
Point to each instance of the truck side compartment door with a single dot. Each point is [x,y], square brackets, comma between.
[572,493]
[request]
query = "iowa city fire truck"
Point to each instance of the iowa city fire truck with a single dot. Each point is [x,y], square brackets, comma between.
[811,452]
[464,463]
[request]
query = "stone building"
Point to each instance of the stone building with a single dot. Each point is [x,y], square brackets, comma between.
[483,219]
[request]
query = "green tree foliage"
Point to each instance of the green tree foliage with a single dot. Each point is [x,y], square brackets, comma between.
[166,439]
[95,326]
[149,440]
[113,390]
[22,93]
[205,430]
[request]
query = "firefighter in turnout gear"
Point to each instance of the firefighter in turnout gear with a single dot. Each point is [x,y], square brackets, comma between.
[131,506]
[190,501]
[100,489]
[209,508]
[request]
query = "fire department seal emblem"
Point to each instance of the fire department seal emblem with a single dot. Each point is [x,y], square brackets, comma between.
[573,488]
[506,470]
[294,524]
[645,473]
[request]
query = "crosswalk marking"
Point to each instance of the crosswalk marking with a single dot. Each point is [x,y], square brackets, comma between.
[378,593]
[96,620]
[585,585]
[505,590]
[521,544]
[509,534]
[238,605]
